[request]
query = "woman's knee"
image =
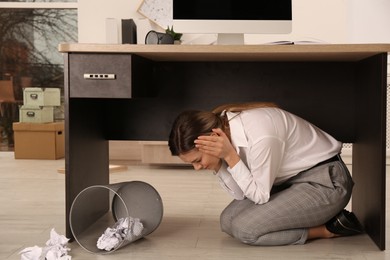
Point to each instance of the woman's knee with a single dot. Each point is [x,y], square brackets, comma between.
[226,221]
[234,209]
[235,227]
[244,233]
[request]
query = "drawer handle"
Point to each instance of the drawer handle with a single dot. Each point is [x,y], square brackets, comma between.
[34,96]
[98,76]
[30,113]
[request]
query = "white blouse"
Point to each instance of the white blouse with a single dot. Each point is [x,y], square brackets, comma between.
[274,145]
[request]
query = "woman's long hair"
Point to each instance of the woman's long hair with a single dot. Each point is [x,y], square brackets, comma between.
[189,125]
[239,107]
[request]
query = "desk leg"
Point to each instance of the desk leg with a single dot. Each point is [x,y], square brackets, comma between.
[369,151]
[87,160]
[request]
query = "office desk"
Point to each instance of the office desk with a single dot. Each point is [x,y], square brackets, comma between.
[133,92]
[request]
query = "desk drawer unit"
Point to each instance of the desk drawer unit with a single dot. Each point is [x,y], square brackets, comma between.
[100,76]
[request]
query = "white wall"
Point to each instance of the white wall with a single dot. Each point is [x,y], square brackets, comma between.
[329,21]
[92,16]
[319,20]
[332,21]
[368,21]
[314,20]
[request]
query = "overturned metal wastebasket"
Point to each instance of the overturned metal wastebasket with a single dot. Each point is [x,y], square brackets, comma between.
[99,207]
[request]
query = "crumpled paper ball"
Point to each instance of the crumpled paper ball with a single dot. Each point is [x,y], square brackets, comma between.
[124,229]
[31,253]
[55,249]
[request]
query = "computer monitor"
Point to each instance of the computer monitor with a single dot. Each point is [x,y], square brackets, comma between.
[231,19]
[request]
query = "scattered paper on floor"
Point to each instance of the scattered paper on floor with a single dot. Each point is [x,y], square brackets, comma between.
[55,249]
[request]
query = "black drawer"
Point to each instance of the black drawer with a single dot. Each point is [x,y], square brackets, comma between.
[100,75]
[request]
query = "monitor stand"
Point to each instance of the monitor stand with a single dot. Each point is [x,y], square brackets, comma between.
[230,39]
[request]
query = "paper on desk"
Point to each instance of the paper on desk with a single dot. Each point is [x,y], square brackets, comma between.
[55,249]
[124,229]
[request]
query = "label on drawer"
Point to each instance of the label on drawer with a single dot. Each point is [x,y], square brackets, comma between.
[97,76]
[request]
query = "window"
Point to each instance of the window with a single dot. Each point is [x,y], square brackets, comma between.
[30,32]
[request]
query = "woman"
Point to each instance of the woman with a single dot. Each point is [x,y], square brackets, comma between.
[287,179]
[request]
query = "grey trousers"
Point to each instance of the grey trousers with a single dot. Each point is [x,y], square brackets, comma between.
[307,200]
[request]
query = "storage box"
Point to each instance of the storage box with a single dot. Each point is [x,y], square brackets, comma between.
[32,114]
[39,141]
[41,97]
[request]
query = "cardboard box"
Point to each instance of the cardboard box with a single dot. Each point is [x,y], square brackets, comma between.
[6,91]
[39,141]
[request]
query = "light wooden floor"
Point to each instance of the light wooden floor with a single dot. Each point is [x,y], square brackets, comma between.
[32,203]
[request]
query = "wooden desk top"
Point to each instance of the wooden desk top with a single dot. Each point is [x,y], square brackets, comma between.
[303,52]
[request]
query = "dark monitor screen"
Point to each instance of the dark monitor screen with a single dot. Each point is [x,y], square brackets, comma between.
[232,9]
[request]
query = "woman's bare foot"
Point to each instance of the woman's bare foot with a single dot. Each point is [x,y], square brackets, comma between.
[320,232]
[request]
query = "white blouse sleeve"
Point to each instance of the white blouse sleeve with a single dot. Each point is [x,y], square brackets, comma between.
[264,159]
[228,183]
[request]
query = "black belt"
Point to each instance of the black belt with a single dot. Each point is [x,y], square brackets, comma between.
[282,186]
[332,159]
